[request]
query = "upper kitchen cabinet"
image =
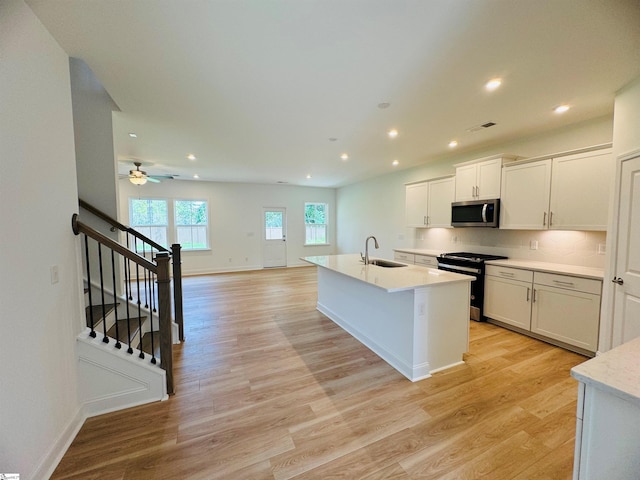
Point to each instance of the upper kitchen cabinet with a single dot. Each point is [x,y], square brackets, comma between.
[525,195]
[480,179]
[568,192]
[428,204]
[580,187]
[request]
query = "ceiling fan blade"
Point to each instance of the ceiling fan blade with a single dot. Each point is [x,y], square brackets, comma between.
[154,180]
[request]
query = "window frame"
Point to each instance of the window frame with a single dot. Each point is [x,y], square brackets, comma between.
[139,228]
[326,225]
[175,223]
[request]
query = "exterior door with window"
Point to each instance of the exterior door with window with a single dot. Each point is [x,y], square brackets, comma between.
[274,237]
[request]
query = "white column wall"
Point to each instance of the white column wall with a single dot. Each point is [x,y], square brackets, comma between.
[39,409]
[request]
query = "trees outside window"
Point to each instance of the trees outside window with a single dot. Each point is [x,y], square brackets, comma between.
[315,222]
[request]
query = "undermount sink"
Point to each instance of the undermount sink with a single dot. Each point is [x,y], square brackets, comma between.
[385,263]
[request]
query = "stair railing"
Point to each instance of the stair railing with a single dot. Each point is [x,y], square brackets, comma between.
[158,303]
[137,242]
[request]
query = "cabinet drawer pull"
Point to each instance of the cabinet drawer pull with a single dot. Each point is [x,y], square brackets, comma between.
[566,284]
[507,274]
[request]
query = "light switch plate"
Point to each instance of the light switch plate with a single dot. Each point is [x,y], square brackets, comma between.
[533,244]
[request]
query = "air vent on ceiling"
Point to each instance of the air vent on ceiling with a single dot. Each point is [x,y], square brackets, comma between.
[477,128]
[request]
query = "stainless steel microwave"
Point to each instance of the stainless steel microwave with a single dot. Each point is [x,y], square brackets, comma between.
[475,213]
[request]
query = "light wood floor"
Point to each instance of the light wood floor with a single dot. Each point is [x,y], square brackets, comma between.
[268,388]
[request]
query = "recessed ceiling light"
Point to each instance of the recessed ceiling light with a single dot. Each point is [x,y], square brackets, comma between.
[344,156]
[561,108]
[493,84]
[393,133]
[133,135]
[308,176]
[384,105]
[196,176]
[191,156]
[395,163]
[453,143]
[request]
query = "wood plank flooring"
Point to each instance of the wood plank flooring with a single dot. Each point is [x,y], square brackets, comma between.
[269,388]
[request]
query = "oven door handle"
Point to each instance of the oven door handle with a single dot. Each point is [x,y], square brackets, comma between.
[477,271]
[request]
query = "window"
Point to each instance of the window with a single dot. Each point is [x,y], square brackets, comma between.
[150,218]
[191,221]
[315,222]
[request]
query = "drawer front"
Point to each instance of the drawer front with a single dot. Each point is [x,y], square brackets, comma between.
[404,257]
[426,260]
[577,284]
[510,273]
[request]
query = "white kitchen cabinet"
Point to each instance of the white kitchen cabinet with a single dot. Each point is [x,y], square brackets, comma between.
[608,415]
[439,198]
[404,257]
[416,204]
[508,293]
[566,309]
[525,195]
[428,204]
[569,192]
[580,191]
[426,260]
[479,179]
[561,309]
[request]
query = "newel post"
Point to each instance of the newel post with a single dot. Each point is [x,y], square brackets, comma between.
[164,314]
[177,289]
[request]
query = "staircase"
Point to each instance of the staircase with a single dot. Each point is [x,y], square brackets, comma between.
[125,353]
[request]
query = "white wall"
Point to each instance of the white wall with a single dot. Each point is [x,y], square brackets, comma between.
[39,410]
[93,127]
[376,207]
[235,219]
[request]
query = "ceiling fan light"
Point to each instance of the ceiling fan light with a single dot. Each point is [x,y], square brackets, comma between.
[138,180]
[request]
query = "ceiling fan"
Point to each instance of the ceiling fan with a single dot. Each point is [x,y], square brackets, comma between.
[140,177]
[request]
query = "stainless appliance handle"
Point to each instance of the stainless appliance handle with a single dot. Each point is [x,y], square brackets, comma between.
[484,212]
[461,268]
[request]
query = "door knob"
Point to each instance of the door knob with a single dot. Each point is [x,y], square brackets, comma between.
[617,280]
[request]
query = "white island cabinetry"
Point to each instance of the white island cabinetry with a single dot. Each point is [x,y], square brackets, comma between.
[608,415]
[414,318]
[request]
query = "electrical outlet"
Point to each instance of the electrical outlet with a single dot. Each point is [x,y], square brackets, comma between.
[454,239]
[55,274]
[533,245]
[229,259]
[602,249]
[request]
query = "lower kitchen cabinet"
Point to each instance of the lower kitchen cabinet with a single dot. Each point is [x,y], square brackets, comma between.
[557,308]
[426,260]
[404,257]
[507,295]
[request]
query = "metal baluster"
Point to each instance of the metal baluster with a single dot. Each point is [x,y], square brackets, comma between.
[127,279]
[113,272]
[86,250]
[146,297]
[127,274]
[105,339]
[139,309]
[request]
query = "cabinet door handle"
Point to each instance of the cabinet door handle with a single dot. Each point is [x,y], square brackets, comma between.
[424,220]
[528,292]
[534,295]
[473,192]
[544,219]
[550,218]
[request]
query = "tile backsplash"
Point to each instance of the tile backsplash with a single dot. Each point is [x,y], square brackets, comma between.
[555,246]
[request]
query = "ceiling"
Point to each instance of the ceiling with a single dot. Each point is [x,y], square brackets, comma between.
[271,91]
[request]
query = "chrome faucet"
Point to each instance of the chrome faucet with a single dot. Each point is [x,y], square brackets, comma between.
[365,259]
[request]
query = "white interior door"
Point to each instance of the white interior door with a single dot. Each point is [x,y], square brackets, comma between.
[274,237]
[626,317]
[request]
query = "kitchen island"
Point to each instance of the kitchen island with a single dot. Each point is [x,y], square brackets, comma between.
[415,318]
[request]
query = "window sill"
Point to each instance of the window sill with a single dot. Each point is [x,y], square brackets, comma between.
[317,244]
